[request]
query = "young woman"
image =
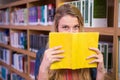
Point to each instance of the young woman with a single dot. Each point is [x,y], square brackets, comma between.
[67,19]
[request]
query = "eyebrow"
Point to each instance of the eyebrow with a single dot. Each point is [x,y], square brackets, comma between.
[68,25]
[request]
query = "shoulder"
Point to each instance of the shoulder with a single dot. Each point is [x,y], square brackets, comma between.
[40,52]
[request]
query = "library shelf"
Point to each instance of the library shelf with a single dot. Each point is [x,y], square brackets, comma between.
[17,3]
[27,27]
[25,52]
[41,28]
[4,26]
[118,31]
[110,34]
[5,6]
[102,31]
[32,0]
[11,69]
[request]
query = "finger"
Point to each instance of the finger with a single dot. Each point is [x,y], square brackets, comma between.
[56,60]
[92,56]
[57,57]
[96,50]
[52,49]
[94,61]
[55,48]
[57,52]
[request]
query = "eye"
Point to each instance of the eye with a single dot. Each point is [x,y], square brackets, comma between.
[65,27]
[76,27]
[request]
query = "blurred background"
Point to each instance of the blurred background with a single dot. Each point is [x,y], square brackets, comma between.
[2,2]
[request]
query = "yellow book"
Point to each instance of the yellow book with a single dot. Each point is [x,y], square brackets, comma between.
[76,47]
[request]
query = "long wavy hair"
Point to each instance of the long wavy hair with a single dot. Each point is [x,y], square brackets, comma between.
[67,9]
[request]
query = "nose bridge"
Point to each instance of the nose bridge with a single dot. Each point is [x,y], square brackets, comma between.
[71,30]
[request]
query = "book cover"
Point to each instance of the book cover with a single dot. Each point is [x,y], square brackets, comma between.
[76,47]
[99,13]
[4,73]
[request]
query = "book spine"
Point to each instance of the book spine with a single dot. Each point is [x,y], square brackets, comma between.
[99,13]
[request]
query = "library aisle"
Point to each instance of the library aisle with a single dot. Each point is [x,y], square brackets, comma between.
[25,27]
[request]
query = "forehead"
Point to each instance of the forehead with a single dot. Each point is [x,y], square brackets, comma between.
[68,20]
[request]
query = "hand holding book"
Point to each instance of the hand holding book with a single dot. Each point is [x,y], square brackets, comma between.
[76,47]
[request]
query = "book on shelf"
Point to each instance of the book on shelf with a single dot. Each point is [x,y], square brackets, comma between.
[0,72]
[4,36]
[43,20]
[32,68]
[42,15]
[5,73]
[76,47]
[37,41]
[19,16]
[14,76]
[99,13]
[18,40]
[5,55]
[4,16]
[50,13]
[19,62]
[33,18]
[94,12]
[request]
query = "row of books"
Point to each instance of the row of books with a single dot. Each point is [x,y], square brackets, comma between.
[4,17]
[43,15]
[18,40]
[106,48]
[37,42]
[36,15]
[19,16]
[94,12]
[32,68]
[4,37]
[6,75]
[5,55]
[19,62]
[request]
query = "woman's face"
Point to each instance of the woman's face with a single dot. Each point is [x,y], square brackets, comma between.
[68,24]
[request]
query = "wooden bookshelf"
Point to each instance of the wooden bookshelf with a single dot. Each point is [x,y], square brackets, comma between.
[102,31]
[30,27]
[25,52]
[110,33]
[24,75]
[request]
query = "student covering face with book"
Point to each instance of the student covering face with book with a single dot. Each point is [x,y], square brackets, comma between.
[67,19]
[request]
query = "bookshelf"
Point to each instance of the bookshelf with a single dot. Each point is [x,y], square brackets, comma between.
[111,33]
